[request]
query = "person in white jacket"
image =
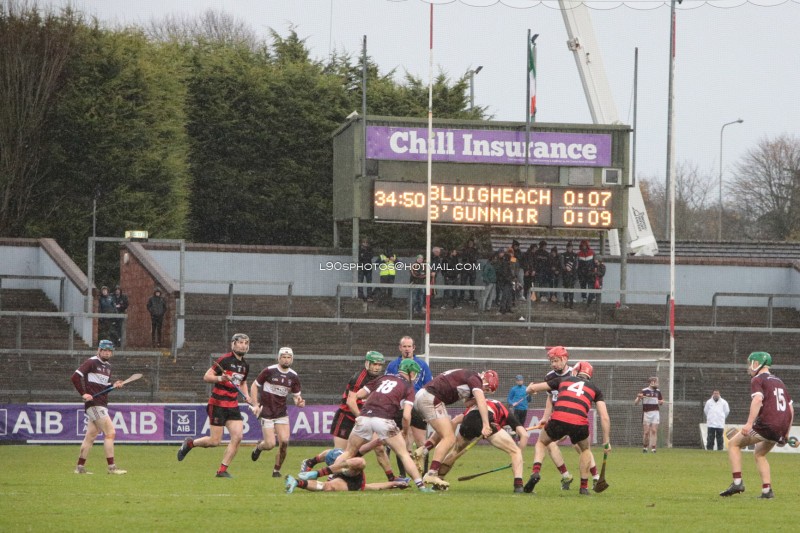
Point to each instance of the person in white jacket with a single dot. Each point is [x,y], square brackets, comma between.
[716,411]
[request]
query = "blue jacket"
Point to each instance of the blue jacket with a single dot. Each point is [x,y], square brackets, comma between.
[518,393]
[422,378]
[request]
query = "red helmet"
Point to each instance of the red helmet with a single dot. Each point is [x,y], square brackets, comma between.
[583,367]
[557,352]
[491,380]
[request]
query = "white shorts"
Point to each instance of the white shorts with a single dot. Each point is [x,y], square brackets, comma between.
[269,423]
[366,426]
[96,413]
[651,417]
[424,404]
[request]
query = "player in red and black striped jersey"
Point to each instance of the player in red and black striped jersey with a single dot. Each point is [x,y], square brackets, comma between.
[350,408]
[470,429]
[229,376]
[92,377]
[570,418]
[559,357]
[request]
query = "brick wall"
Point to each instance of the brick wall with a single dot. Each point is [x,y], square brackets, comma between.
[138,279]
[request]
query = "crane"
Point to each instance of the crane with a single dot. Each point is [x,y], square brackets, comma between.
[583,45]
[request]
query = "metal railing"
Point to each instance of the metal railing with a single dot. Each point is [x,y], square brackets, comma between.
[60,279]
[769,296]
[70,319]
[231,283]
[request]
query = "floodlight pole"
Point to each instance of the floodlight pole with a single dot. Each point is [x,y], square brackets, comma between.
[719,221]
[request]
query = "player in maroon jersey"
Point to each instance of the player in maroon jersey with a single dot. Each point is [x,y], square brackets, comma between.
[470,429]
[559,357]
[768,424]
[651,399]
[432,401]
[350,407]
[93,376]
[571,419]
[387,398]
[270,390]
[228,374]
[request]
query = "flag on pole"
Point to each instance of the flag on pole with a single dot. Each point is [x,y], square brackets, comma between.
[532,76]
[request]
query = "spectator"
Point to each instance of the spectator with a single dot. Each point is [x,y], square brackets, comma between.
[388,273]
[157,307]
[518,400]
[528,272]
[505,281]
[568,264]
[716,411]
[436,267]
[585,262]
[553,272]
[418,273]
[451,277]
[105,304]
[365,269]
[121,307]
[541,262]
[469,261]
[516,266]
[597,275]
[489,277]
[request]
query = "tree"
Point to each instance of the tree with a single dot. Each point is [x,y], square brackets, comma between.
[695,211]
[766,185]
[34,48]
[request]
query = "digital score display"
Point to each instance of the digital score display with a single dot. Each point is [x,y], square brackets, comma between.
[499,205]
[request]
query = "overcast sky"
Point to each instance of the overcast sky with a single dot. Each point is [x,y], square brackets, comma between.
[735,59]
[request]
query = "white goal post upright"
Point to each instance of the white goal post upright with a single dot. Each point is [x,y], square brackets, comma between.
[620,373]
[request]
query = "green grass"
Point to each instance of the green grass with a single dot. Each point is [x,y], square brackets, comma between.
[672,490]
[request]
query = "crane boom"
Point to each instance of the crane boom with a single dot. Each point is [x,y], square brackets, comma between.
[589,60]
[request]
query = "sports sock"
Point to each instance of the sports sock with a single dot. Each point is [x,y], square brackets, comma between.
[302,484]
[190,444]
[563,468]
[536,468]
[428,446]
[110,461]
[316,459]
[418,482]
[765,487]
[517,482]
[584,483]
[222,468]
[81,461]
[326,471]
[593,471]
[737,478]
[434,469]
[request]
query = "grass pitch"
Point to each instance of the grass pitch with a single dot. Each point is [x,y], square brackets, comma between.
[672,490]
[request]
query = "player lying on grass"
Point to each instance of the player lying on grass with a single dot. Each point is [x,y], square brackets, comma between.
[469,431]
[342,475]
[571,419]
[386,399]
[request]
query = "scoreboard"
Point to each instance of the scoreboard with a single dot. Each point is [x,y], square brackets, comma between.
[500,205]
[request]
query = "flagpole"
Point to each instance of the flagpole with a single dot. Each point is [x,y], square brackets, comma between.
[530,113]
[428,197]
[528,64]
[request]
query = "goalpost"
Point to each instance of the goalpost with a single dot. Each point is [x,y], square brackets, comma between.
[620,373]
